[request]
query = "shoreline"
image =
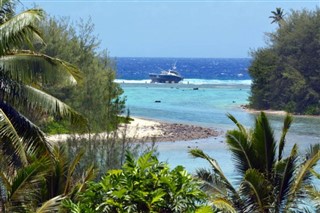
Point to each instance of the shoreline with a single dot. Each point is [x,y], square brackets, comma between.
[276,112]
[151,130]
[161,131]
[271,112]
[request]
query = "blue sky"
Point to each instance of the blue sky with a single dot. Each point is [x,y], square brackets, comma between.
[176,28]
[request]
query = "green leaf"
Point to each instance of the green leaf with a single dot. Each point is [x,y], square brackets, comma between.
[157,196]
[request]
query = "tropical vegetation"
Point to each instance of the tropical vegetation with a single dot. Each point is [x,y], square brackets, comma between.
[96,96]
[277,16]
[142,185]
[36,176]
[29,164]
[99,174]
[267,180]
[285,73]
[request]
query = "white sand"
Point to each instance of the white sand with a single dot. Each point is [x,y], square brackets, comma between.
[271,112]
[142,128]
[139,128]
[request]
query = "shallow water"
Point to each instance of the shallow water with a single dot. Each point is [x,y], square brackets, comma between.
[204,105]
[207,106]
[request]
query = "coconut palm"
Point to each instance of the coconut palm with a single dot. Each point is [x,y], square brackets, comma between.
[277,16]
[23,75]
[24,72]
[269,182]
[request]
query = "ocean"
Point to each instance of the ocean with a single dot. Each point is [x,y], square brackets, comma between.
[222,86]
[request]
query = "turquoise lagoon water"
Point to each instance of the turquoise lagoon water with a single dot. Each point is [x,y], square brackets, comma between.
[207,106]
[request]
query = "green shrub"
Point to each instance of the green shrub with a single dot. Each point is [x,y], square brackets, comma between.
[143,185]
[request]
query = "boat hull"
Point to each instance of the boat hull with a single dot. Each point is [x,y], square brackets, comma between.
[155,78]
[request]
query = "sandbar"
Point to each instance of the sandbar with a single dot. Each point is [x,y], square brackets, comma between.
[151,130]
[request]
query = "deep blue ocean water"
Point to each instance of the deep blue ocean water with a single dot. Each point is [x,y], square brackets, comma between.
[189,68]
[223,85]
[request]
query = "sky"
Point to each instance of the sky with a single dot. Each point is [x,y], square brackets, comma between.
[176,28]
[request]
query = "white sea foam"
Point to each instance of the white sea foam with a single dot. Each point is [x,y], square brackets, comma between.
[216,81]
[192,81]
[132,81]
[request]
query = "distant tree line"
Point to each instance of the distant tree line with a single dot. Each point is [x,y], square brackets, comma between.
[286,73]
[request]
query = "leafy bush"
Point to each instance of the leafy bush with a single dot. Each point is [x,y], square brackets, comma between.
[143,185]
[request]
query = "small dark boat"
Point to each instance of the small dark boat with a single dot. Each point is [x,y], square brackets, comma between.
[166,76]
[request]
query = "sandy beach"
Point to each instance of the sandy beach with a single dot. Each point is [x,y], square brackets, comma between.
[277,112]
[161,131]
[144,129]
[271,112]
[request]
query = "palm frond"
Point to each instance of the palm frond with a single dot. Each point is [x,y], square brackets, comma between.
[28,97]
[38,99]
[8,131]
[239,143]
[241,128]
[71,170]
[89,175]
[241,150]
[30,67]
[255,188]
[215,166]
[51,205]
[224,205]
[6,10]
[19,30]
[25,184]
[273,21]
[56,179]
[316,174]
[278,16]
[264,144]
[211,182]
[286,177]
[286,125]
[30,134]
[304,175]
[314,194]
[5,180]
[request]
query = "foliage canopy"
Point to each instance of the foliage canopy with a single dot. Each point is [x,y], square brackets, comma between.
[285,74]
[142,185]
[97,96]
[32,177]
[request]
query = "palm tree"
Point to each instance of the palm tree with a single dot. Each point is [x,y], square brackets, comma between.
[269,182]
[23,74]
[61,179]
[277,16]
